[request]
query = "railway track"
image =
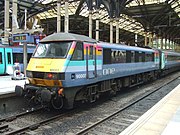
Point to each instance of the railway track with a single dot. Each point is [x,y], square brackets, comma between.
[4,126]
[116,122]
[13,124]
[83,120]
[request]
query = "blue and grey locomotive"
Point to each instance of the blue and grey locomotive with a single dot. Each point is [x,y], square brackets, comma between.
[68,67]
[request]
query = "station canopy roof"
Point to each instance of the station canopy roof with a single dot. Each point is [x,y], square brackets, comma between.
[158,16]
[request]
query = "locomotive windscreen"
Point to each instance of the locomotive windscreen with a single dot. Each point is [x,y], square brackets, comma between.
[52,50]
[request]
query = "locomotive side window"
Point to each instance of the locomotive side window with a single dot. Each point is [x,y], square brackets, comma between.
[91,53]
[1,58]
[141,57]
[122,57]
[136,56]
[149,57]
[78,52]
[132,56]
[128,57]
[106,56]
[118,56]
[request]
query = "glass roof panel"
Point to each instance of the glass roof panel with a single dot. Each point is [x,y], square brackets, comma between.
[135,3]
[125,22]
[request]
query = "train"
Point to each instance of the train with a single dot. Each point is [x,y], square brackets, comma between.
[13,54]
[68,68]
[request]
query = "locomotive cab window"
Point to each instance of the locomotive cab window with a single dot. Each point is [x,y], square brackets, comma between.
[52,49]
[78,52]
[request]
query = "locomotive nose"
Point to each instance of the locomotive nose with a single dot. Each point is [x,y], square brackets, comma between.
[18,90]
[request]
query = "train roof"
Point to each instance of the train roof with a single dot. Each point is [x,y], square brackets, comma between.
[124,47]
[172,53]
[67,37]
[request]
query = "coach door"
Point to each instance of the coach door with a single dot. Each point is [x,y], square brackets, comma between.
[91,69]
[8,59]
[2,65]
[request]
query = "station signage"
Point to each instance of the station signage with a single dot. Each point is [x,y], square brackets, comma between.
[23,38]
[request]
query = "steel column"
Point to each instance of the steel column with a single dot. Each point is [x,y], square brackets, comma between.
[66,22]
[58,15]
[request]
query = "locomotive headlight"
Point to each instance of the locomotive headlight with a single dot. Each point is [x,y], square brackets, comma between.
[29,74]
[51,76]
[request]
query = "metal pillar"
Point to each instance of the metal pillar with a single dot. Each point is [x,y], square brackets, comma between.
[145,40]
[66,22]
[117,30]
[58,15]
[14,15]
[165,43]
[135,39]
[97,25]
[170,44]
[111,30]
[155,41]
[25,57]
[90,23]
[6,21]
[150,39]
[25,46]
[25,19]
[161,43]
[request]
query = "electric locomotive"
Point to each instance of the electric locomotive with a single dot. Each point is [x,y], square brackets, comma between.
[68,67]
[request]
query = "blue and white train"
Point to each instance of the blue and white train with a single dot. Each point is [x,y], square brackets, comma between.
[10,55]
[67,67]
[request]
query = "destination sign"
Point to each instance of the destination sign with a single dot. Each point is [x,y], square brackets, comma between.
[23,38]
[20,38]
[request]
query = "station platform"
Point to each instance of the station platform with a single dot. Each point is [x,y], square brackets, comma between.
[162,119]
[7,85]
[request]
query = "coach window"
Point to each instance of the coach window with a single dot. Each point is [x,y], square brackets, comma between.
[9,58]
[0,58]
[18,57]
[78,52]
